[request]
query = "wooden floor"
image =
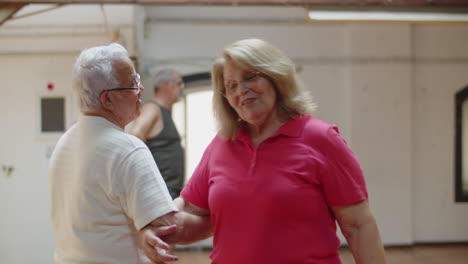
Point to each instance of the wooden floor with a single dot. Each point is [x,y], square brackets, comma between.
[427,254]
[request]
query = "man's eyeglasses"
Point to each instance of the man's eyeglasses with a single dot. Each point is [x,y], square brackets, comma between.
[248,81]
[136,89]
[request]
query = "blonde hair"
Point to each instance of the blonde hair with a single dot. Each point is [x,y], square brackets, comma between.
[261,56]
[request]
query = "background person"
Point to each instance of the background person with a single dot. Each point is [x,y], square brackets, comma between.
[156,127]
[276,180]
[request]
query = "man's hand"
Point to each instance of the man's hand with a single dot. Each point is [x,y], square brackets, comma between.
[153,246]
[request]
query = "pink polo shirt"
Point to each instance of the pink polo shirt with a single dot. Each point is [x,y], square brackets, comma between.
[271,204]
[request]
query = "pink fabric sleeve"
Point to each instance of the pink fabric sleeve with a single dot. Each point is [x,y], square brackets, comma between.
[343,180]
[196,189]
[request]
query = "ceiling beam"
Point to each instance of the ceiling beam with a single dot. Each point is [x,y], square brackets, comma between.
[8,10]
[336,3]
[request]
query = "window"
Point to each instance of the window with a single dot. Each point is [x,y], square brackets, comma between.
[194,120]
[52,114]
[461,146]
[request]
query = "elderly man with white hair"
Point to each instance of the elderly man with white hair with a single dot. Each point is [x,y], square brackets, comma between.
[105,186]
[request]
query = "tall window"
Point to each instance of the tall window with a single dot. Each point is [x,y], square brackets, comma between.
[194,119]
[461,145]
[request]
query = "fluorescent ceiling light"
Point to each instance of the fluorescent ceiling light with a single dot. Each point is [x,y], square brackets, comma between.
[390,16]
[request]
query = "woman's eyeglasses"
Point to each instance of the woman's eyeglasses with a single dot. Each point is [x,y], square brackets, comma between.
[136,89]
[248,81]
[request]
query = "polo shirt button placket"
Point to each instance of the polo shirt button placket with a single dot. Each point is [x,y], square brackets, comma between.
[254,158]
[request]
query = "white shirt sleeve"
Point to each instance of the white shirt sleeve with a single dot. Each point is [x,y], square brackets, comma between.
[141,188]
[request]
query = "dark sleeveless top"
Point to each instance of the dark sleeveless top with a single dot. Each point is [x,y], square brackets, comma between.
[168,153]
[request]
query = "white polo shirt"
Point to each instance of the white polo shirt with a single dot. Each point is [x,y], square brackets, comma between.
[105,186]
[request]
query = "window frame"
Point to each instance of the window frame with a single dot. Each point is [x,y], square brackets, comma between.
[461,97]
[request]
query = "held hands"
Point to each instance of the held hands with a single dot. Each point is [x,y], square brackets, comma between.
[174,228]
[154,247]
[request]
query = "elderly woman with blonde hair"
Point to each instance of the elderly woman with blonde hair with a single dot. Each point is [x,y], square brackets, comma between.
[276,180]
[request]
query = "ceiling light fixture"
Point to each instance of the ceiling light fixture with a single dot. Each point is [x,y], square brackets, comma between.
[387,16]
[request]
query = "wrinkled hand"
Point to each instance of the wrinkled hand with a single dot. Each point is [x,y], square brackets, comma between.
[154,247]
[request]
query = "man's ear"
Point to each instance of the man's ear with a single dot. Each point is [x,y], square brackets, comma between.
[106,101]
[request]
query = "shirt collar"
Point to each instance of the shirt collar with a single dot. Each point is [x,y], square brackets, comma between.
[99,119]
[292,128]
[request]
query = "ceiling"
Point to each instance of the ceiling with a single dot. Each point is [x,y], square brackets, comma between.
[402,3]
[310,3]
[8,8]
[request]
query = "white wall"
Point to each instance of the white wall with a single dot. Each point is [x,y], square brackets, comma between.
[441,69]
[25,222]
[389,87]
[33,52]
[381,122]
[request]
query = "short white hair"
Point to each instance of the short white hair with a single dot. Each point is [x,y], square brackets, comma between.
[160,77]
[94,72]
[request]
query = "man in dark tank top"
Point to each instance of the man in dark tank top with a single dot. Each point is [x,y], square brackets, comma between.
[156,127]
